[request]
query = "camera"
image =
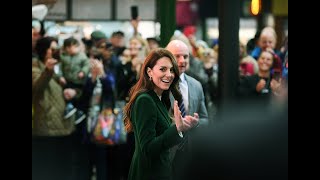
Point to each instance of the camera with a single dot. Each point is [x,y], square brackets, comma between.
[265,91]
[276,75]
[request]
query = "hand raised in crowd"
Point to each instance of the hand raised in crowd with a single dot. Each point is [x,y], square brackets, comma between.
[62,81]
[135,23]
[184,124]
[270,49]
[50,63]
[96,69]
[261,84]
[192,40]
[275,85]
[81,75]
[279,90]
[69,93]
[136,64]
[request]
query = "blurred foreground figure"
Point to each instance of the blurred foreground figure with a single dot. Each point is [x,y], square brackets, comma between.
[247,142]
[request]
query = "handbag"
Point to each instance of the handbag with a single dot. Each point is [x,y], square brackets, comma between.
[109,128]
[104,124]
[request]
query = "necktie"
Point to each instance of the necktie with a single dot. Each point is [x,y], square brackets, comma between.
[181,145]
[182,108]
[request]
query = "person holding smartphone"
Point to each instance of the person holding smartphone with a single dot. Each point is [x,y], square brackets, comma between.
[264,85]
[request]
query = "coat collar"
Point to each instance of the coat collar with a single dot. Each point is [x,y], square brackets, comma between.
[161,106]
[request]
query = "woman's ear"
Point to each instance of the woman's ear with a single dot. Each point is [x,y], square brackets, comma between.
[149,72]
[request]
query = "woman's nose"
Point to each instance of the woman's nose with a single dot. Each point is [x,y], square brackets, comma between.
[170,74]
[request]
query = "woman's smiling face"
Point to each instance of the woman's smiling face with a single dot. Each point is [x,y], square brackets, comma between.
[162,75]
[265,61]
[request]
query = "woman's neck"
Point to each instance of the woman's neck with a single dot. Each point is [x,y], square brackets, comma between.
[159,94]
[264,74]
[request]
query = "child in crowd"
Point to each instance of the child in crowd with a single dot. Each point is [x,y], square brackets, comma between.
[74,66]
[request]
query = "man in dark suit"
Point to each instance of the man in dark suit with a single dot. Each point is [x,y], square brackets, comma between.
[193,99]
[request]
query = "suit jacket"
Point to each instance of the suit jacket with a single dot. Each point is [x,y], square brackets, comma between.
[154,136]
[196,70]
[196,100]
[196,105]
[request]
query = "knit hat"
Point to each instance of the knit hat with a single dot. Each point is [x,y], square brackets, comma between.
[97,35]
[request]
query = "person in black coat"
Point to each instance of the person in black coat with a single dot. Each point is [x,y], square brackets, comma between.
[262,86]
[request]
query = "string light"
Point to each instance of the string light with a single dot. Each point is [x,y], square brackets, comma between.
[255,7]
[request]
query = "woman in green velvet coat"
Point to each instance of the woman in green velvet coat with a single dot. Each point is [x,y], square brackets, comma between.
[147,115]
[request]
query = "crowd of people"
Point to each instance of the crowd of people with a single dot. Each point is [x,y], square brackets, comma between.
[166,93]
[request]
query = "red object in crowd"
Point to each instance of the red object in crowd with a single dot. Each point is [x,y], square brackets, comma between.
[277,65]
[185,13]
[247,69]
[189,30]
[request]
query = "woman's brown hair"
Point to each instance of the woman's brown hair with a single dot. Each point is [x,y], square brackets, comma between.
[144,84]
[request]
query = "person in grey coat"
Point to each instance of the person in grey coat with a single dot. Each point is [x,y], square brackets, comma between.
[193,99]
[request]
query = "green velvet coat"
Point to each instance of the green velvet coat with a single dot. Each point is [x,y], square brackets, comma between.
[154,136]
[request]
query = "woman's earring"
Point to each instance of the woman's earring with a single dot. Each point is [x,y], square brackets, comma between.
[150,78]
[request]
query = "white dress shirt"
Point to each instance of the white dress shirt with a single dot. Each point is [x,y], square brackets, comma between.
[184,91]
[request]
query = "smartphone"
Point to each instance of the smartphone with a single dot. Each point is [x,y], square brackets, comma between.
[276,76]
[134,12]
[56,54]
